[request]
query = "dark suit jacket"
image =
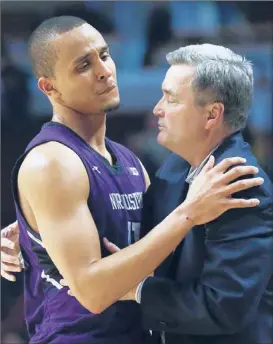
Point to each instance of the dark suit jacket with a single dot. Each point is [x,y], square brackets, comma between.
[217,287]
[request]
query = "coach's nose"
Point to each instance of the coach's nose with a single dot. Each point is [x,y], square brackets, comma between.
[158,110]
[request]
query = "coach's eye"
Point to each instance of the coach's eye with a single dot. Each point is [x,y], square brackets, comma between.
[105,56]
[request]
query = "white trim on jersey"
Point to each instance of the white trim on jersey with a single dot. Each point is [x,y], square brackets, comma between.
[43,275]
[51,280]
[35,239]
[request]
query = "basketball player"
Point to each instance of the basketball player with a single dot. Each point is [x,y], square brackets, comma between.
[73,186]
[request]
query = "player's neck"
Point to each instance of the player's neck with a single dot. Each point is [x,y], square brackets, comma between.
[91,128]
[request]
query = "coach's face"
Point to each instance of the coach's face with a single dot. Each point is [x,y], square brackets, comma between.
[181,122]
[85,74]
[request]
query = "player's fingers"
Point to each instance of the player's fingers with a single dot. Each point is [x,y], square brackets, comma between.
[242,203]
[110,246]
[243,184]
[209,165]
[10,267]
[7,243]
[8,276]
[239,171]
[8,258]
[227,163]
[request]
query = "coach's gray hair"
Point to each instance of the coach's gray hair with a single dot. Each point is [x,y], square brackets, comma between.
[220,76]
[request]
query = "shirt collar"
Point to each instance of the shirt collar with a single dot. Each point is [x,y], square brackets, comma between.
[193,172]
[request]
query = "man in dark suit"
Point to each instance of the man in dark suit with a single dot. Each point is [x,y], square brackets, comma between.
[217,286]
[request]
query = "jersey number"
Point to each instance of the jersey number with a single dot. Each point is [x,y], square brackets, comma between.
[133,232]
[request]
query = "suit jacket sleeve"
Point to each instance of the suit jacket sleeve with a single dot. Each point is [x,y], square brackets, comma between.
[237,269]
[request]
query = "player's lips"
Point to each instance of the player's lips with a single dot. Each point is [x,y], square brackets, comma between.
[108,89]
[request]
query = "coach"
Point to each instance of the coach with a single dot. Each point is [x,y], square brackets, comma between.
[217,286]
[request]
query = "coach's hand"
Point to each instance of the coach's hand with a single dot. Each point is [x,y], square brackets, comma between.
[112,248]
[11,260]
[131,296]
[210,193]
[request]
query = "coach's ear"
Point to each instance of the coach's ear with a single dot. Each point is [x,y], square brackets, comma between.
[214,115]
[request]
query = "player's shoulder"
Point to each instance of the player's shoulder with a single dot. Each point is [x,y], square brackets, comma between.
[51,159]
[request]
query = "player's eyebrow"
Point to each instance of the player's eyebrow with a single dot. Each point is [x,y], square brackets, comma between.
[101,50]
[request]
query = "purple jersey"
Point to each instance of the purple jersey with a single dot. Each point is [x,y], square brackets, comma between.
[115,202]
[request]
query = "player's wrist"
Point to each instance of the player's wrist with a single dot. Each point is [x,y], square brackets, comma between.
[187,214]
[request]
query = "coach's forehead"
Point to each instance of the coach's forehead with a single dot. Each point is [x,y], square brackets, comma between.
[78,41]
[178,77]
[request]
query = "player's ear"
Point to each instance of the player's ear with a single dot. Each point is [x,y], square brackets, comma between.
[46,85]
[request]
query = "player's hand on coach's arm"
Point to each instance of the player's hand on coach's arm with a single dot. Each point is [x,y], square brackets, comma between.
[11,260]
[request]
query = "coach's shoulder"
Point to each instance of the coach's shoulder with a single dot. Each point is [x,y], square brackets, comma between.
[173,166]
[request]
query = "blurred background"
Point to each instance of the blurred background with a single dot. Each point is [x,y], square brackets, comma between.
[139,34]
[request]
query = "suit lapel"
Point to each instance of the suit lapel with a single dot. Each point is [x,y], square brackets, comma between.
[174,195]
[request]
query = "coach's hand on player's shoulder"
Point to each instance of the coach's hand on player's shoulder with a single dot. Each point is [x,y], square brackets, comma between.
[210,194]
[11,260]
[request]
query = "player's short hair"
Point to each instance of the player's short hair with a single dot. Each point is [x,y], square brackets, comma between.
[220,76]
[42,52]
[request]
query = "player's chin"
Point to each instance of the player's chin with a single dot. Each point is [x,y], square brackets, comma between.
[111,105]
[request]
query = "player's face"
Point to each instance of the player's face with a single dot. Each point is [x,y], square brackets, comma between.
[85,74]
[180,121]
